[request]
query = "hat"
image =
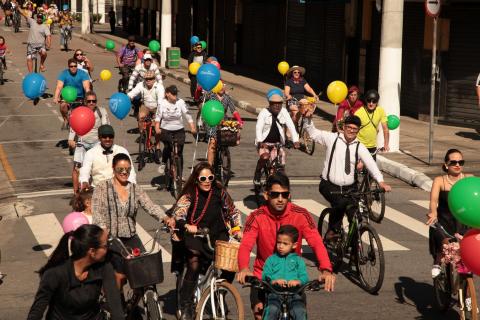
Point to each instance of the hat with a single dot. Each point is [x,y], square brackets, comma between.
[353,120]
[301,69]
[172,89]
[105,130]
[275,98]
[353,89]
[147,56]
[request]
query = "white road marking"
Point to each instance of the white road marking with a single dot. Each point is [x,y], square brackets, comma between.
[27,141]
[49,105]
[56,113]
[422,203]
[1,124]
[147,242]
[44,178]
[47,230]
[406,221]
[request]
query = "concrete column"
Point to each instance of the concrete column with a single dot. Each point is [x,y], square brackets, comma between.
[390,70]
[101,10]
[166,30]
[85,17]
[73,6]
[141,22]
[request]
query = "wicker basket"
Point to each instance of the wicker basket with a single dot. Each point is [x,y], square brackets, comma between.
[226,254]
[228,138]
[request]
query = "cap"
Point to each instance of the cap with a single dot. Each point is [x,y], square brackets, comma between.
[275,98]
[105,130]
[172,89]
[147,56]
[353,120]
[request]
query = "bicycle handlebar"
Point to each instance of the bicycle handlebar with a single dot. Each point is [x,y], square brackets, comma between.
[313,285]
[357,194]
[125,251]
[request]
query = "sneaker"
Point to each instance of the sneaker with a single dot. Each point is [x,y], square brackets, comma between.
[161,168]
[436,270]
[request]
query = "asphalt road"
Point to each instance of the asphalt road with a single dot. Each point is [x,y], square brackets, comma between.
[31,142]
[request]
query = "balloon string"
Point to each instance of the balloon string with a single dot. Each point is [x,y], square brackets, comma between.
[196,139]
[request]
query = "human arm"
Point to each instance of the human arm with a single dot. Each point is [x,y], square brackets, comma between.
[259,126]
[386,137]
[48,41]
[112,293]
[46,289]
[119,58]
[24,12]
[310,90]
[89,64]
[147,204]
[250,235]
[287,92]
[231,213]
[290,125]
[188,117]
[434,195]
[71,138]
[478,95]
[302,275]
[86,168]
[135,91]
[372,167]
[133,77]
[319,136]
[158,76]
[86,84]
[58,89]
[100,205]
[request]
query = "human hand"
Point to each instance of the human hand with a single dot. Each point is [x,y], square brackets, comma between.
[280,282]
[242,274]
[329,279]
[71,144]
[432,218]
[293,283]
[191,228]
[385,186]
[169,221]
[85,185]
[296,145]
[385,148]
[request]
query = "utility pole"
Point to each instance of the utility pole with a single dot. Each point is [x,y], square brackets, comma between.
[85,17]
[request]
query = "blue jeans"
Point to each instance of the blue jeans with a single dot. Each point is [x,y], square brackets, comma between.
[62,34]
[296,307]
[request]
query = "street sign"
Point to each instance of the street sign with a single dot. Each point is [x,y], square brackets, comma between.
[432,7]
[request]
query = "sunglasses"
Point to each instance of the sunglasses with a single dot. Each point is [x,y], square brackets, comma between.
[372,101]
[460,163]
[79,54]
[204,178]
[276,194]
[123,170]
[73,66]
[92,101]
[107,136]
[199,47]
[149,79]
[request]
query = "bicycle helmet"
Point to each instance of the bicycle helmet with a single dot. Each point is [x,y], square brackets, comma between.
[372,95]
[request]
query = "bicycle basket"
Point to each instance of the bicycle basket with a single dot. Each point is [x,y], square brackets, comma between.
[226,254]
[228,134]
[144,270]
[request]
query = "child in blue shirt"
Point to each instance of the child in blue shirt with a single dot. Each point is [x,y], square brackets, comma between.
[285,269]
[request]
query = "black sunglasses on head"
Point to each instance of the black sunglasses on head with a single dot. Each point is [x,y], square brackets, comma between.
[276,194]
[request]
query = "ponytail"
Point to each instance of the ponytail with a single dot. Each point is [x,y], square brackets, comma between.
[59,255]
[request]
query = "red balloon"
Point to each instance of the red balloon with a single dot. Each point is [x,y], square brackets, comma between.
[216,64]
[82,120]
[469,250]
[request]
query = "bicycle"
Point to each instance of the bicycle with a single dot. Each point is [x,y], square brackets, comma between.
[173,171]
[228,135]
[271,167]
[286,295]
[144,271]
[16,20]
[2,80]
[67,36]
[146,144]
[307,144]
[454,284]
[360,242]
[123,81]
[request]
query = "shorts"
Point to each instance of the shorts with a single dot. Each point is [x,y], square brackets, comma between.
[80,150]
[146,110]
[115,257]
[257,295]
[273,152]
[32,49]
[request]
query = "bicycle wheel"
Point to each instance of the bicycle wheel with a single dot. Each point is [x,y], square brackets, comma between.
[442,290]
[370,259]
[223,166]
[375,202]
[469,303]
[227,301]
[308,142]
[334,247]
[1,73]
[152,305]
[142,151]
[260,188]
[177,182]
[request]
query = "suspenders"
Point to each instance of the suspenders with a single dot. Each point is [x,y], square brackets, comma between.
[331,158]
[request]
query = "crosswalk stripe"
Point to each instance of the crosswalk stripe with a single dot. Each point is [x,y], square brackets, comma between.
[406,221]
[46,229]
[147,242]
[422,203]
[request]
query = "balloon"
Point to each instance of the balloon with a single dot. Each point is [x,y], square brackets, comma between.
[393,122]
[49,21]
[283,67]
[337,91]
[193,67]
[464,201]
[154,46]
[469,249]
[204,44]
[34,85]
[119,105]
[194,40]
[65,7]
[213,112]
[105,75]
[216,64]
[82,120]
[110,45]
[73,220]
[274,91]
[212,58]
[208,76]
[218,87]
[69,93]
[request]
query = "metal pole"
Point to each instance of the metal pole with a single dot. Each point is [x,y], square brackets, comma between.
[432,91]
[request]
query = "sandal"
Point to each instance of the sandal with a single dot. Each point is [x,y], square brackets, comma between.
[43,68]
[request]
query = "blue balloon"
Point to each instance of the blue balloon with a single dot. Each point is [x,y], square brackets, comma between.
[119,105]
[208,76]
[274,91]
[34,85]
[194,40]
[65,7]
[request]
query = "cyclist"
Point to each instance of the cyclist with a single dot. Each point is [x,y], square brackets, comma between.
[7,12]
[126,58]
[439,211]
[151,94]
[296,87]
[83,63]
[270,130]
[39,40]
[204,203]
[261,228]
[71,77]
[200,56]
[139,71]
[3,52]
[66,24]
[87,141]
[339,174]
[371,117]
[347,107]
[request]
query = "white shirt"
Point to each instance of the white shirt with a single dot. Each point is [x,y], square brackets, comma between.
[139,74]
[170,114]
[264,123]
[337,170]
[92,135]
[99,165]
[151,97]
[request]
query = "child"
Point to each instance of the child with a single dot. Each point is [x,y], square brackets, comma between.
[82,202]
[3,52]
[285,269]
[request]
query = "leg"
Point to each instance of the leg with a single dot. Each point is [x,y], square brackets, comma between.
[62,37]
[75,176]
[193,84]
[142,113]
[212,146]
[29,65]
[264,154]
[189,285]
[257,301]
[297,308]
[43,57]
[273,308]
[337,202]
[64,111]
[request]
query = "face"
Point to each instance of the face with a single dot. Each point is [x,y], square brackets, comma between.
[121,170]
[2,41]
[277,198]
[79,55]
[106,141]
[170,97]
[285,244]
[350,132]
[150,81]
[275,107]
[455,163]
[39,20]
[353,96]
[198,48]
[296,74]
[205,180]
[371,104]
[131,44]
[72,67]
[98,254]
[91,101]
[147,63]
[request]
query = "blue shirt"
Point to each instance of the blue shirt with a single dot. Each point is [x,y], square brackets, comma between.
[74,80]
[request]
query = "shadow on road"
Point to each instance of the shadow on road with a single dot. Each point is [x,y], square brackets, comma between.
[469,135]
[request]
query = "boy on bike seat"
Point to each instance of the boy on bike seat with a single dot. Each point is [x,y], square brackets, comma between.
[285,269]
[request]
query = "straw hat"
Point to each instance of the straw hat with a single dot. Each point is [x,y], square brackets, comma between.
[301,69]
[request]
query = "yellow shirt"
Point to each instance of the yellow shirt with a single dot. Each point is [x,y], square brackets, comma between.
[370,125]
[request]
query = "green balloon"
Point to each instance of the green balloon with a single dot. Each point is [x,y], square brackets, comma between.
[109,44]
[393,122]
[213,112]
[69,94]
[154,46]
[464,201]
[204,44]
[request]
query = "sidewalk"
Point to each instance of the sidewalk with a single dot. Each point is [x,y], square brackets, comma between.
[409,165]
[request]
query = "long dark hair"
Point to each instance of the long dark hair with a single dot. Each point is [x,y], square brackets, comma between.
[83,238]
[192,181]
[447,158]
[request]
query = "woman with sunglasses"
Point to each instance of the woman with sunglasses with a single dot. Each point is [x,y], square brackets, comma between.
[83,63]
[296,87]
[197,55]
[204,203]
[439,211]
[115,204]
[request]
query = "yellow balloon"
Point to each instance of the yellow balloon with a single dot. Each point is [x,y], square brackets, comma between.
[337,91]
[105,75]
[283,67]
[49,21]
[193,67]
[218,87]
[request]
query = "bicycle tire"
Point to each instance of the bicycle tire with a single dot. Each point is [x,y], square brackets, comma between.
[177,178]
[260,188]
[308,143]
[153,306]
[178,286]
[224,166]
[334,248]
[222,288]
[441,290]
[2,81]
[373,258]
[375,202]
[472,307]
[141,151]
[201,130]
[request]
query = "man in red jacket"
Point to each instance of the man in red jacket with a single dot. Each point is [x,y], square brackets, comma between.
[261,229]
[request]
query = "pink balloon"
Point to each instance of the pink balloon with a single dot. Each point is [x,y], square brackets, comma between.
[82,120]
[216,64]
[469,249]
[73,220]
